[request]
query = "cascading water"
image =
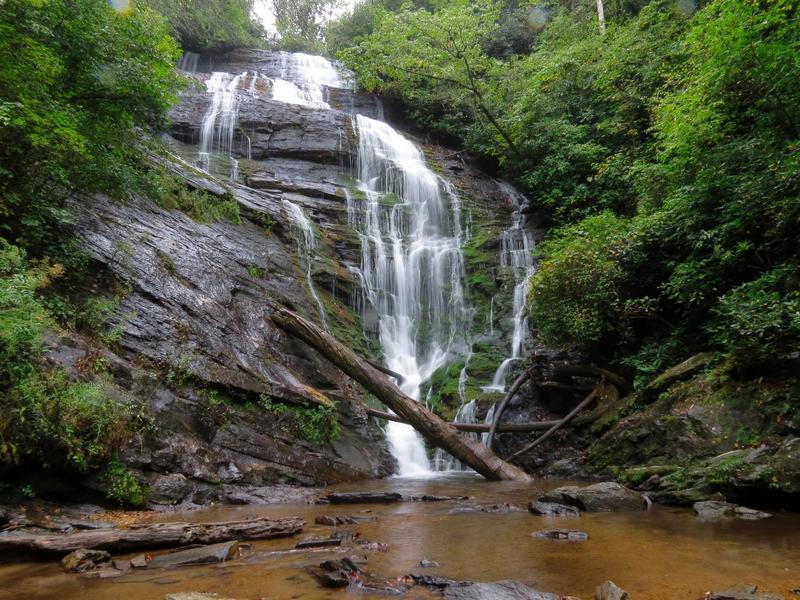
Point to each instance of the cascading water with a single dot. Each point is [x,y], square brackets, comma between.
[304,79]
[219,122]
[305,248]
[517,254]
[412,267]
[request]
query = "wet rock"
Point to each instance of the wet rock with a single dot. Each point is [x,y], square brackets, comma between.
[600,497]
[505,507]
[214,553]
[608,590]
[139,562]
[713,510]
[572,535]
[363,497]
[194,596]
[436,581]
[501,590]
[319,543]
[333,521]
[83,560]
[552,509]
[751,594]
[338,573]
[434,498]
[426,563]
[103,573]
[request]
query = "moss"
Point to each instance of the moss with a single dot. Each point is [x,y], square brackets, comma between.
[256,272]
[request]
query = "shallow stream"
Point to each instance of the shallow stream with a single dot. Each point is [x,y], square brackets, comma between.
[662,554]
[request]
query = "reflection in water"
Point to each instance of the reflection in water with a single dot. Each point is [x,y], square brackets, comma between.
[662,554]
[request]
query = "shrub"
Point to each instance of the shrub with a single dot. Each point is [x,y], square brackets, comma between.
[316,424]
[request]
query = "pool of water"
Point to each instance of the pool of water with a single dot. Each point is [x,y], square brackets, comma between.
[662,554]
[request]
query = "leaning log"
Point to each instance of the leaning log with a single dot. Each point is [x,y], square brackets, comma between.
[512,391]
[501,428]
[154,535]
[436,431]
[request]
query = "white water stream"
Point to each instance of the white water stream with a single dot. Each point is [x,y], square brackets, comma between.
[412,268]
[517,254]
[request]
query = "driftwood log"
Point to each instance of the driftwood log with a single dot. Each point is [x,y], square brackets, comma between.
[154,535]
[435,430]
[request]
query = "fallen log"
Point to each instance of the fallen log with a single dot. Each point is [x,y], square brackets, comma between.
[566,372]
[154,535]
[602,391]
[512,391]
[501,428]
[436,431]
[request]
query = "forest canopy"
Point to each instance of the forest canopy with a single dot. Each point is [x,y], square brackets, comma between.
[664,152]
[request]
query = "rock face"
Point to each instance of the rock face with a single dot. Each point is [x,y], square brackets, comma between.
[713,510]
[192,338]
[600,497]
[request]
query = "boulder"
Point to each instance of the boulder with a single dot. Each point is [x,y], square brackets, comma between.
[607,496]
[337,573]
[571,535]
[714,510]
[552,509]
[83,560]
[501,590]
[215,553]
[608,590]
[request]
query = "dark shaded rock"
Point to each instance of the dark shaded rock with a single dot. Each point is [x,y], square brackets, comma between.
[552,509]
[607,496]
[501,590]
[319,543]
[363,497]
[712,510]
[83,560]
[338,573]
[214,553]
[572,535]
[433,498]
[121,564]
[608,590]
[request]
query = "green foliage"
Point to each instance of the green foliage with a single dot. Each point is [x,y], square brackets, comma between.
[316,424]
[123,487]
[171,192]
[46,417]
[76,78]
[300,24]
[575,296]
[215,25]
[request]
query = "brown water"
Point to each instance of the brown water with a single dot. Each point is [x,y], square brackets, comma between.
[662,554]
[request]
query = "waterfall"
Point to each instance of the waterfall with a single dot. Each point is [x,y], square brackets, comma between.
[304,80]
[219,122]
[188,62]
[305,249]
[517,254]
[412,268]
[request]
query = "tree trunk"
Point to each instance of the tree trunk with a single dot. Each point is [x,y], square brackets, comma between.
[502,427]
[155,535]
[436,431]
[601,17]
[498,414]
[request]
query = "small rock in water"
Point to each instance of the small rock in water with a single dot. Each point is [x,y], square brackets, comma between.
[318,543]
[362,498]
[505,507]
[214,553]
[433,498]
[712,510]
[83,560]
[572,535]
[751,594]
[337,573]
[333,521]
[139,562]
[103,573]
[436,581]
[553,509]
[608,590]
[501,590]
[426,563]
[194,596]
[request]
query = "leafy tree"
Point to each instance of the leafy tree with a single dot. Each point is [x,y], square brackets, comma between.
[76,78]
[300,23]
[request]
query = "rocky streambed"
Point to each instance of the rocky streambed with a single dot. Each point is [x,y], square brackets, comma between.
[451,537]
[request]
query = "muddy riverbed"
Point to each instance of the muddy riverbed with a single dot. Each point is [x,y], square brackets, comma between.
[664,553]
